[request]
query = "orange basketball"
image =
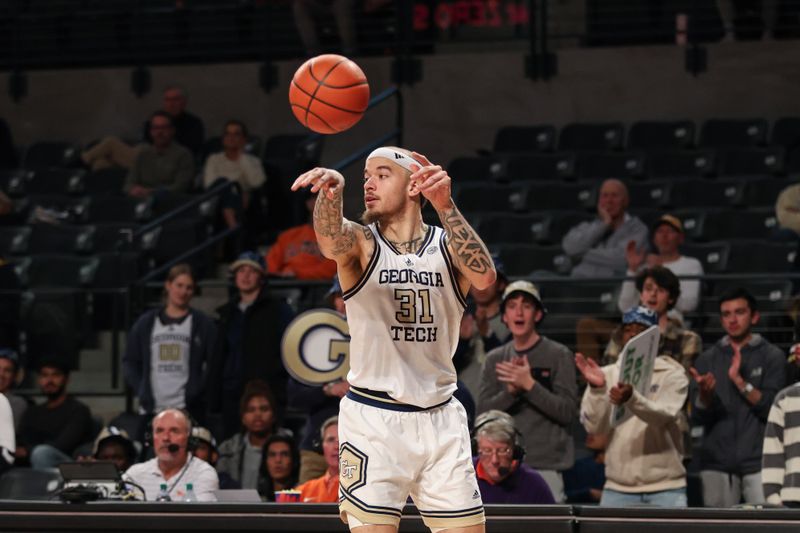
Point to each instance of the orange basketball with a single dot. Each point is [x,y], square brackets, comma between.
[329,93]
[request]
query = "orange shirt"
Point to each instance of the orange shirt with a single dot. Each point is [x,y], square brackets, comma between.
[324,489]
[296,251]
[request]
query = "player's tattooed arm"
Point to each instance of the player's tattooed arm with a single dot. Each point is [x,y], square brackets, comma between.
[336,235]
[470,253]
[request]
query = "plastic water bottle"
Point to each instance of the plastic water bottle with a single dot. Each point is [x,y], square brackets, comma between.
[163,495]
[189,496]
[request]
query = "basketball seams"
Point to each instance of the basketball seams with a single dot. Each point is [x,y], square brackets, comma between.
[352,89]
[314,98]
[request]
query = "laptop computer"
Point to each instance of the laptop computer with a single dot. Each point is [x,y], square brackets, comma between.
[101,474]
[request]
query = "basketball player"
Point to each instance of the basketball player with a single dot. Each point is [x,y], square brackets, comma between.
[401,432]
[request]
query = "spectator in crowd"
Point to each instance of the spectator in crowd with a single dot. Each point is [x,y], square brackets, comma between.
[234,164]
[779,465]
[533,378]
[305,12]
[659,290]
[736,382]
[189,129]
[727,12]
[583,483]
[334,297]
[482,330]
[169,348]
[113,444]
[325,489]
[280,465]
[667,238]
[9,371]
[502,476]
[787,208]
[644,460]
[318,403]
[50,432]
[7,435]
[204,446]
[249,344]
[296,254]
[164,165]
[599,245]
[174,465]
[240,455]
[113,152]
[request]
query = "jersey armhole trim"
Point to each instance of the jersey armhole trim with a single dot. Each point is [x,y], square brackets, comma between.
[373,261]
[426,242]
[462,299]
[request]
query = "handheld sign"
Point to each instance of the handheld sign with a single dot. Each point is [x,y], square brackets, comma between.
[636,367]
[316,347]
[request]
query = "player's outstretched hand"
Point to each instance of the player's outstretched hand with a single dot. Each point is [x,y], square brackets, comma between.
[320,179]
[590,370]
[432,180]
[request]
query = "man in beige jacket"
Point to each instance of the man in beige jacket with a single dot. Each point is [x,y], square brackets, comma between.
[644,456]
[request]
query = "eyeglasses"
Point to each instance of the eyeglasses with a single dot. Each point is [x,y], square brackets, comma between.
[501,452]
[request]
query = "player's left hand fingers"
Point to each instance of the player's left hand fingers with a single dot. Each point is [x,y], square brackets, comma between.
[425,172]
[421,158]
[440,178]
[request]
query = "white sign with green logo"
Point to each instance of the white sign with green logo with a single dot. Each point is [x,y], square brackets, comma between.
[636,368]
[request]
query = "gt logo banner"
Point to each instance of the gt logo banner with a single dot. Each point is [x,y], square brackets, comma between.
[316,347]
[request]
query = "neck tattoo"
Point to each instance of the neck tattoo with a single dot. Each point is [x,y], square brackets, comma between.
[410,246]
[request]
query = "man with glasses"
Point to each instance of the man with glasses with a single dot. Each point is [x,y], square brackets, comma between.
[502,476]
[163,165]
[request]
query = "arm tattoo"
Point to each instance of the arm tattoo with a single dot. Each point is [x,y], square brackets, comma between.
[469,250]
[330,224]
[328,219]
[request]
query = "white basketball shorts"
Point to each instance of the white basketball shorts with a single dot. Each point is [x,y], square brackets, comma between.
[387,454]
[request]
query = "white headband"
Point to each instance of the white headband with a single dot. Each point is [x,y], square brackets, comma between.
[397,157]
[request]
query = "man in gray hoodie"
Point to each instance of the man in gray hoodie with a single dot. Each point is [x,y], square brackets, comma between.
[532,378]
[735,382]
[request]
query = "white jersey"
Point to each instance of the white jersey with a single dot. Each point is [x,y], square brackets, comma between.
[404,315]
[169,362]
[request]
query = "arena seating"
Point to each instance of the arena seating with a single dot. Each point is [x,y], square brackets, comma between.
[721,177]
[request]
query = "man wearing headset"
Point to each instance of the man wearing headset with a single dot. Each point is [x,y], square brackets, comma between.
[502,476]
[174,465]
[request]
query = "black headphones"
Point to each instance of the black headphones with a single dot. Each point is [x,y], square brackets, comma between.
[519,444]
